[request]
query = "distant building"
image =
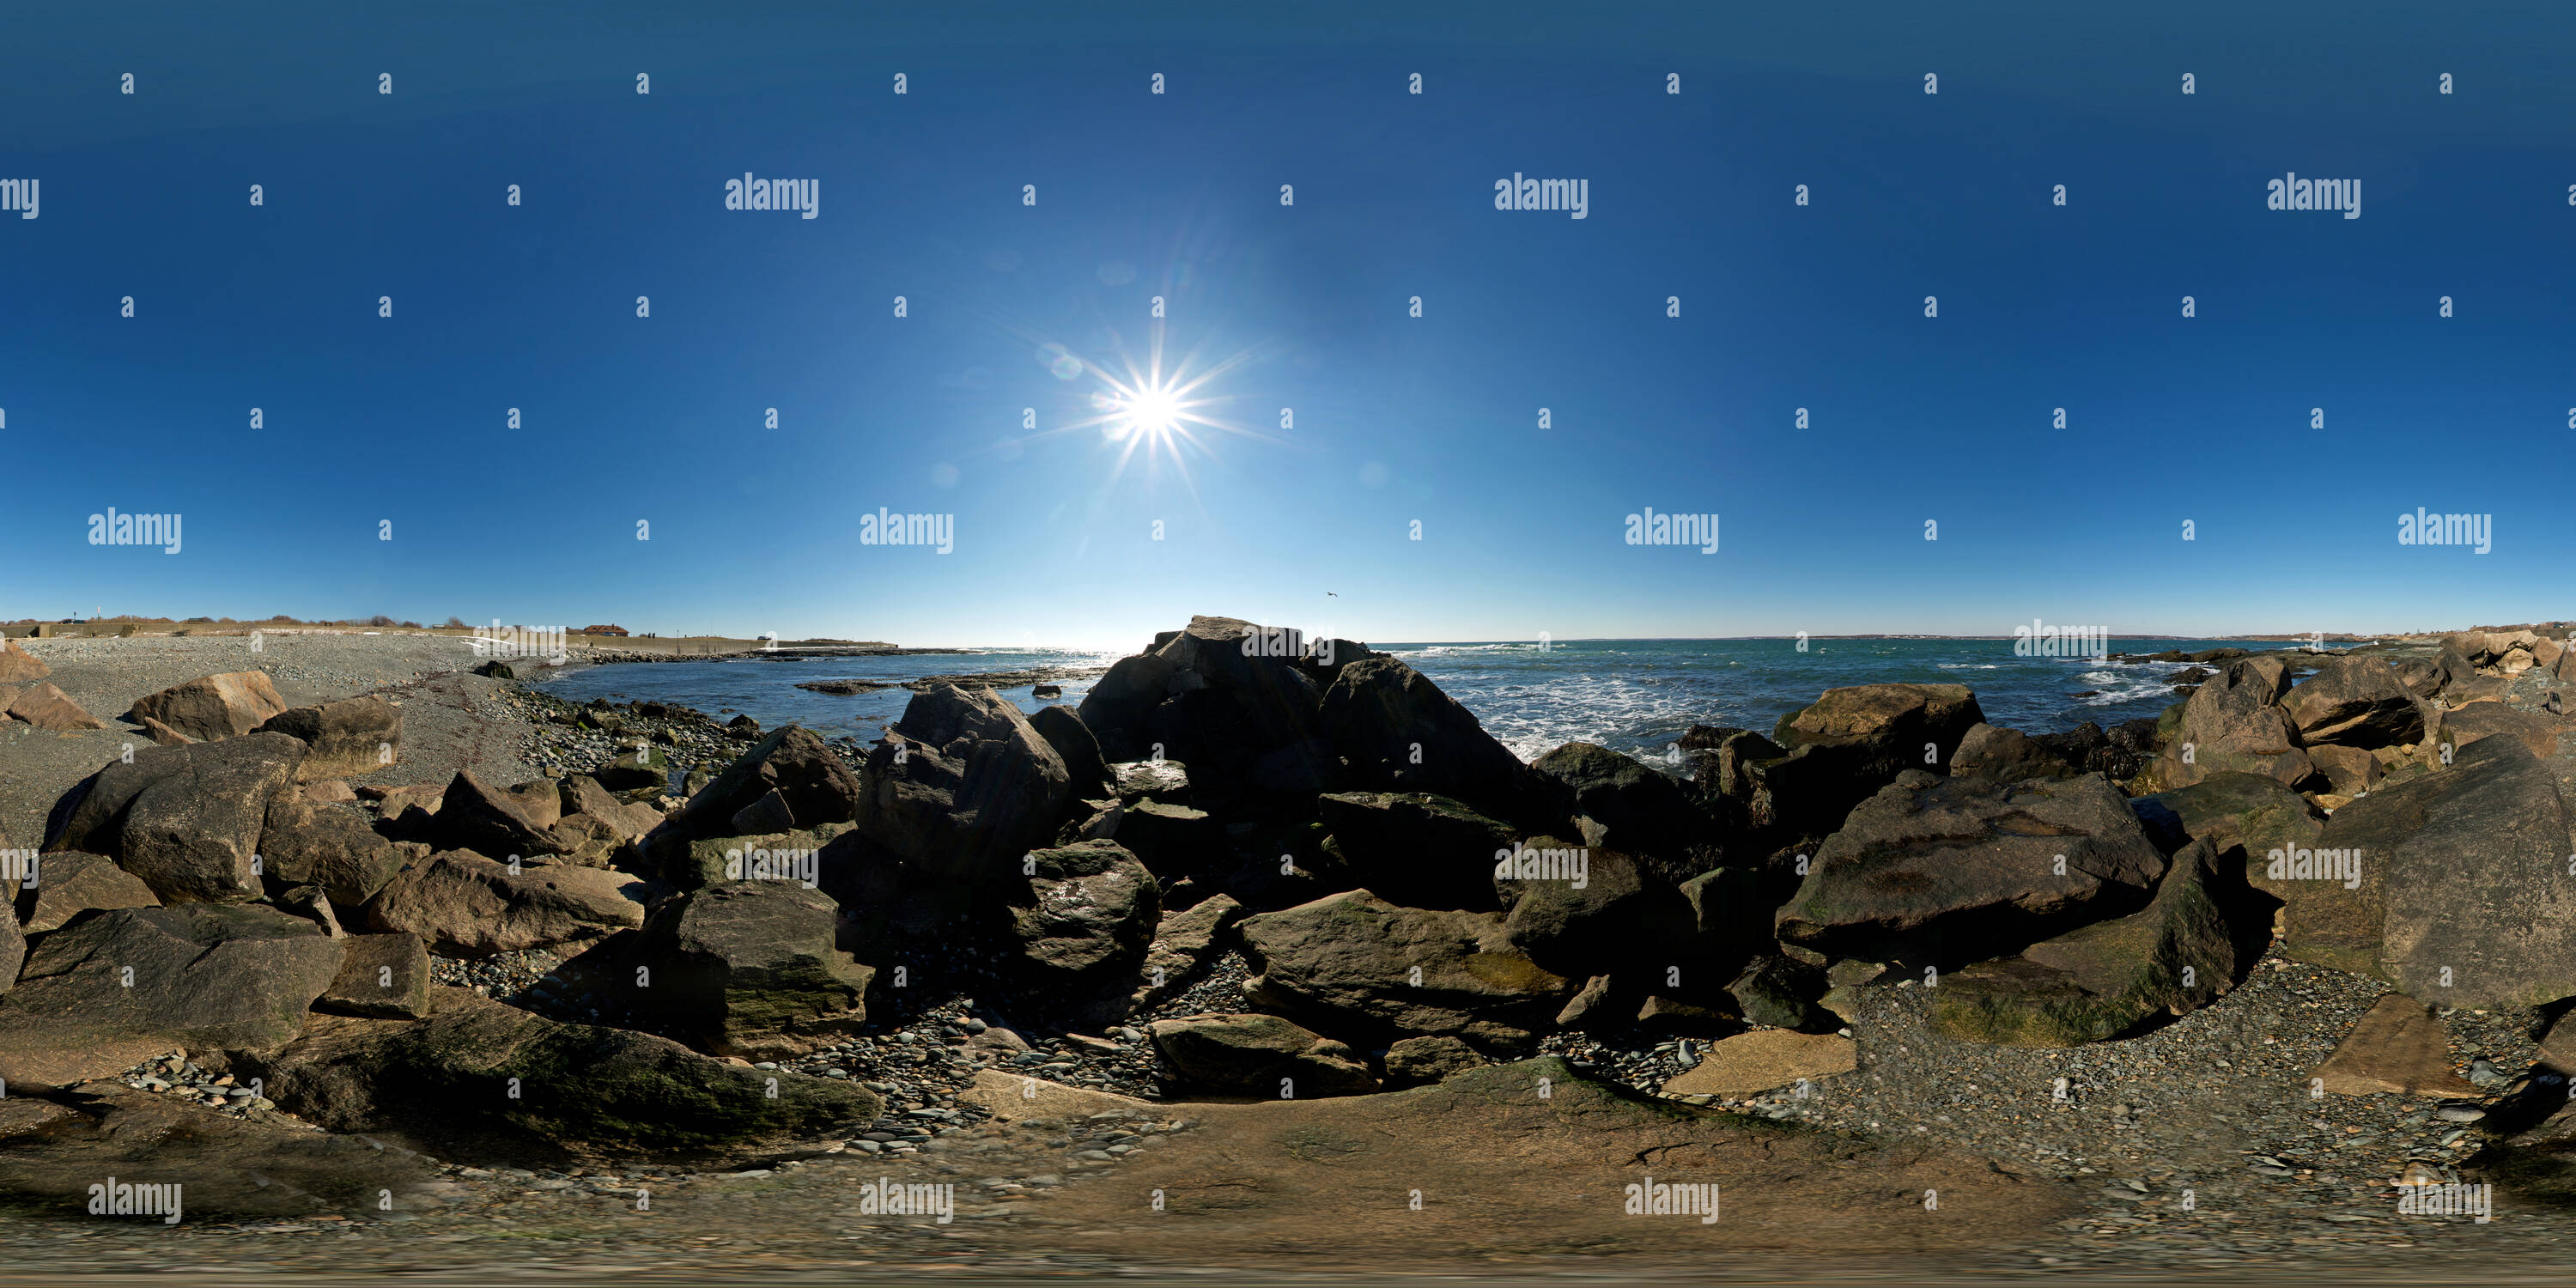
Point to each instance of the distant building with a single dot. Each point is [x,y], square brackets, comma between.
[603,630]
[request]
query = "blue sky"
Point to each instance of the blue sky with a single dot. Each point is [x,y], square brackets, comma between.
[1397,418]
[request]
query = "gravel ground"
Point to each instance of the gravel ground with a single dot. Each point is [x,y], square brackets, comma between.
[447,716]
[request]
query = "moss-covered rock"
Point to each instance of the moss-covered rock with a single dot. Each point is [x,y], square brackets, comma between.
[2102,980]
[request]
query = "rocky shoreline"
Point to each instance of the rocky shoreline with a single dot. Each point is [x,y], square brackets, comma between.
[2229,983]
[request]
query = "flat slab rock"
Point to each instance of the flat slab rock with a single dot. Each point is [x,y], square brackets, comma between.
[2399,1046]
[1749,1064]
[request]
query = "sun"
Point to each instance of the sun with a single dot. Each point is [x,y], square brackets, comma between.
[1154,411]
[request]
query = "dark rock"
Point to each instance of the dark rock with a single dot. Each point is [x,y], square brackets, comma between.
[1082,917]
[1780,993]
[302,843]
[1398,732]
[1185,942]
[746,968]
[1415,1062]
[1086,772]
[2244,815]
[2006,755]
[2355,702]
[2462,890]
[71,883]
[1351,960]
[2100,981]
[185,819]
[383,976]
[1951,870]
[1620,804]
[465,905]
[495,824]
[812,782]
[1260,1055]
[1171,839]
[2464,726]
[2235,723]
[355,736]
[1851,742]
[1416,849]
[202,975]
[962,785]
[586,1093]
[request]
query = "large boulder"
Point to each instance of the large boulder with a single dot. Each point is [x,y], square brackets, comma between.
[465,905]
[2355,702]
[2244,815]
[185,819]
[746,968]
[963,785]
[2235,723]
[1259,1055]
[1228,697]
[2102,980]
[1621,804]
[480,1079]
[1416,849]
[493,823]
[1356,963]
[1172,840]
[303,843]
[213,707]
[1852,741]
[1399,733]
[1944,871]
[1081,917]
[809,780]
[112,988]
[1581,910]
[2006,755]
[2452,885]
[2466,725]
[353,736]
[1086,770]
[71,883]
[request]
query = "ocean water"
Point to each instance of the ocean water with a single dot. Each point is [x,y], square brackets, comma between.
[1635,696]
